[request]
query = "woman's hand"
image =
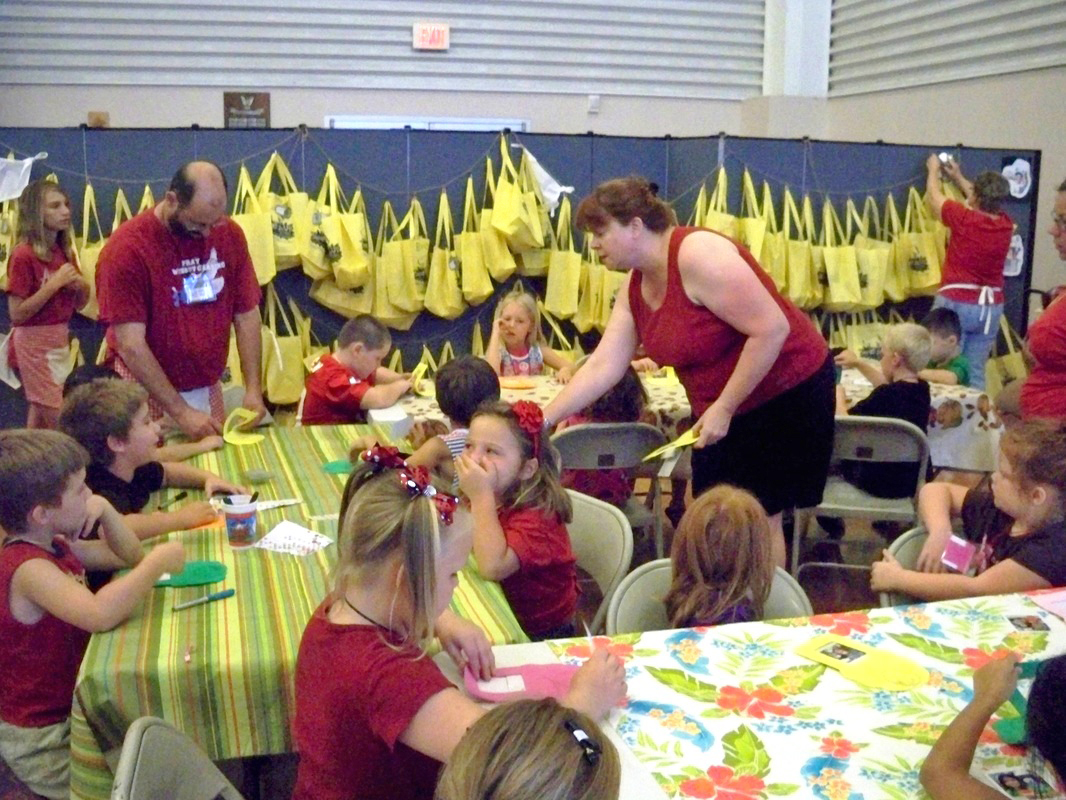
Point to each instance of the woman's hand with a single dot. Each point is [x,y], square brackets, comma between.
[467,645]
[885,574]
[713,425]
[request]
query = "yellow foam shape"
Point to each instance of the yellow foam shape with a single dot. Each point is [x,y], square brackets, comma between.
[666,377]
[865,665]
[231,431]
[687,439]
[422,388]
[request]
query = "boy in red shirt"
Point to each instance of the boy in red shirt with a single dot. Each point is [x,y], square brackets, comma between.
[343,386]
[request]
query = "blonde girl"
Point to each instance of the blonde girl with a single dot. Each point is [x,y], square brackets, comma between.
[374,717]
[44,290]
[503,756]
[722,561]
[516,345]
[1018,527]
[511,475]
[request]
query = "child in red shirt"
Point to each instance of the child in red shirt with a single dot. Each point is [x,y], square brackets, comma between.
[510,474]
[343,386]
[44,290]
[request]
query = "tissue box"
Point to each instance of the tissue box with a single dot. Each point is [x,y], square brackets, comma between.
[393,419]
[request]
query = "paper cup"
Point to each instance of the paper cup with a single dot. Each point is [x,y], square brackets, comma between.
[241,521]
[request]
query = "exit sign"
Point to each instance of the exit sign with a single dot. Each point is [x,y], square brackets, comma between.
[430,36]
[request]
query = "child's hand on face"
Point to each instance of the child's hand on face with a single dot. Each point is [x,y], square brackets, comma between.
[474,480]
[195,514]
[95,507]
[599,685]
[885,574]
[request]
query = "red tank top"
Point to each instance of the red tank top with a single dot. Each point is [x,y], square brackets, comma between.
[40,661]
[704,349]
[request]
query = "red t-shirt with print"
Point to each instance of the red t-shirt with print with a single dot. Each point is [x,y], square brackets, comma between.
[333,394]
[26,273]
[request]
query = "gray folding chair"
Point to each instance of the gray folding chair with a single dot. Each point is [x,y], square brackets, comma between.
[602,542]
[906,550]
[160,761]
[619,445]
[872,440]
[786,599]
[637,604]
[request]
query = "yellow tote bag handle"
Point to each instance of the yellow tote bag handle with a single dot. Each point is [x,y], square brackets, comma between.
[445,229]
[768,209]
[749,203]
[470,212]
[699,210]
[564,235]
[719,197]
[147,199]
[244,199]
[89,213]
[122,210]
[892,225]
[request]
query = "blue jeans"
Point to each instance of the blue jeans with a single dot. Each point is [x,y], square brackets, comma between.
[976,344]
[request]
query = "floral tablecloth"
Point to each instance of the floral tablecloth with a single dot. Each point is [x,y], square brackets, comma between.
[735,713]
[963,426]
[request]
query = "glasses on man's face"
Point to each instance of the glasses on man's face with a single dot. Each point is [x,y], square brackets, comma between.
[1059,221]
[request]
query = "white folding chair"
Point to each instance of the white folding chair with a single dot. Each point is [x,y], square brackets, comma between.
[637,604]
[786,599]
[602,542]
[619,445]
[906,550]
[160,761]
[871,440]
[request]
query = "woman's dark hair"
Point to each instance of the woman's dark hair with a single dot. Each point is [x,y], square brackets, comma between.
[1046,714]
[624,199]
[990,189]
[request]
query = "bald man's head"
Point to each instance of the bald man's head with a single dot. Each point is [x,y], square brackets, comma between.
[196,199]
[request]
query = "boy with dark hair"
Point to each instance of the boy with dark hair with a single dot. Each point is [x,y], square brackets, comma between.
[947,364]
[462,385]
[110,419]
[344,385]
[46,612]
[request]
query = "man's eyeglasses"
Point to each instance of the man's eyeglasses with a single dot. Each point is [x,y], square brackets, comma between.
[1059,221]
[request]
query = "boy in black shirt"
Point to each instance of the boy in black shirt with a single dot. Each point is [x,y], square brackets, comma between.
[898,392]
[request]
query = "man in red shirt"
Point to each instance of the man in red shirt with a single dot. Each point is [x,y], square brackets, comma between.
[170,282]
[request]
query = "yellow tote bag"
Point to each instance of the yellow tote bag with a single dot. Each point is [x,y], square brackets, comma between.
[840,267]
[88,249]
[612,283]
[338,241]
[147,199]
[516,213]
[698,217]
[497,257]
[310,347]
[774,257]
[751,224]
[405,265]
[288,209]
[590,288]
[871,254]
[801,285]
[122,210]
[477,341]
[564,269]
[717,216]
[389,258]
[346,302]
[255,223]
[1008,363]
[444,292]
[897,277]
[923,260]
[283,366]
[476,284]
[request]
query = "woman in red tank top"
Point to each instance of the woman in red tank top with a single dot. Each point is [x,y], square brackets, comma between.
[756,371]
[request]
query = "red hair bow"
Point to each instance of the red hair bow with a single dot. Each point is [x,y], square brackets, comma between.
[531,421]
[416,481]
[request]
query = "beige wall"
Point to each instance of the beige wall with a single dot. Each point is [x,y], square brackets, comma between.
[1021,110]
[169,107]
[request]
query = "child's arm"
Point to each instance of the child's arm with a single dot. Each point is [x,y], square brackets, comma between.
[945,376]
[563,366]
[187,476]
[946,771]
[117,547]
[186,450]
[384,396]
[466,643]
[1006,577]
[841,402]
[383,375]
[157,523]
[495,560]
[847,359]
[41,583]
[492,349]
[938,503]
[21,309]
[434,455]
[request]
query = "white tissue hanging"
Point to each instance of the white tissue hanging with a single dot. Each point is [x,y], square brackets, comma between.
[15,174]
[549,187]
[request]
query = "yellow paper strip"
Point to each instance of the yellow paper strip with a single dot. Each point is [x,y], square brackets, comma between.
[231,432]
[687,439]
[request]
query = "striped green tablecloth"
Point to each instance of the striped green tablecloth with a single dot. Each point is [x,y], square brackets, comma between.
[223,672]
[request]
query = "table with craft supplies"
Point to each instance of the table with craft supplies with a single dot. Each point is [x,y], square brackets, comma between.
[735,712]
[964,428]
[667,408]
[222,671]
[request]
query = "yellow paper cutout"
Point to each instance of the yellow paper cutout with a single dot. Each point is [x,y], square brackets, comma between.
[687,439]
[231,432]
[665,377]
[865,665]
[422,388]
